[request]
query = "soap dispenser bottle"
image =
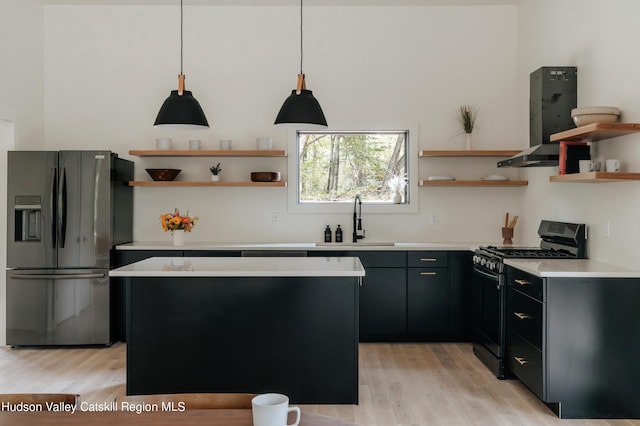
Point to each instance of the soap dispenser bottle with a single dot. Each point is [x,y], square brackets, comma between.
[327,234]
[339,234]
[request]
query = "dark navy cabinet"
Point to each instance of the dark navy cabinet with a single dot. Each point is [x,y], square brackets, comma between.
[574,342]
[413,295]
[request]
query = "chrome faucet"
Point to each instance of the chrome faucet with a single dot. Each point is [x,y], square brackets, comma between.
[357,219]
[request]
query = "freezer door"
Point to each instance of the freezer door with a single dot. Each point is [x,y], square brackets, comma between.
[31,206]
[84,213]
[58,307]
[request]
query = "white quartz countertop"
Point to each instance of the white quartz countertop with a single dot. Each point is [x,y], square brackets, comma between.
[362,245]
[572,268]
[242,267]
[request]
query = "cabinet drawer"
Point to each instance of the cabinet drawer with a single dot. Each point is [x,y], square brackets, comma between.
[526,283]
[525,361]
[427,259]
[525,316]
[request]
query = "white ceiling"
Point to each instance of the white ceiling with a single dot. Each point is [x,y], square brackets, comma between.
[290,2]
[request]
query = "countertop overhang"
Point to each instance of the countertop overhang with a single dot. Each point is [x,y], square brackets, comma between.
[571,268]
[242,267]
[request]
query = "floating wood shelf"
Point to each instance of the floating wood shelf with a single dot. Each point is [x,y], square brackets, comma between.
[209,153]
[228,184]
[494,183]
[593,177]
[596,131]
[468,153]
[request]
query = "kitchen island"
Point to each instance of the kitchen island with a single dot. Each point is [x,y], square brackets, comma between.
[285,324]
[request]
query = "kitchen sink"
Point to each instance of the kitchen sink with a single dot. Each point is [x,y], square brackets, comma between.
[359,243]
[271,245]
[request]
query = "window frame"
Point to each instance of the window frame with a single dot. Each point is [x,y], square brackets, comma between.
[411,206]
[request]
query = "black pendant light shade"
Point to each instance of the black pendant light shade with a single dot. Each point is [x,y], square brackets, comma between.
[181,110]
[301,108]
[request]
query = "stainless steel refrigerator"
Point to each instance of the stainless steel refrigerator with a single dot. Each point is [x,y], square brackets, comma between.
[66,211]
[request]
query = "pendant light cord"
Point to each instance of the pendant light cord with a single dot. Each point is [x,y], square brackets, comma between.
[300,36]
[181,37]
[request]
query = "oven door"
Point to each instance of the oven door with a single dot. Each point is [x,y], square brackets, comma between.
[488,318]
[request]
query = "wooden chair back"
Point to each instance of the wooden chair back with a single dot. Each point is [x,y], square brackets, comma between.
[192,400]
[41,398]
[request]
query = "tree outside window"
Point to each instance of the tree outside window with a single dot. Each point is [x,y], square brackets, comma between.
[336,166]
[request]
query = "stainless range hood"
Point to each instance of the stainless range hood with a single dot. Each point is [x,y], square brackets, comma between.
[552,95]
[543,155]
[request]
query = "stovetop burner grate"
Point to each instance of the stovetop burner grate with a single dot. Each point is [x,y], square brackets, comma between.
[529,252]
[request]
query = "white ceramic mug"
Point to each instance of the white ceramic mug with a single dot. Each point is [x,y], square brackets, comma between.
[585,166]
[263,143]
[272,409]
[195,144]
[225,144]
[163,143]
[613,165]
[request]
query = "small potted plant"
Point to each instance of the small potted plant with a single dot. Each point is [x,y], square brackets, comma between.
[215,172]
[467,120]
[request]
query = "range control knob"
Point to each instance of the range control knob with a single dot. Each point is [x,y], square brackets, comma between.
[483,261]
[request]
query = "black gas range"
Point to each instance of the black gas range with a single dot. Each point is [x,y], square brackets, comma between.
[560,240]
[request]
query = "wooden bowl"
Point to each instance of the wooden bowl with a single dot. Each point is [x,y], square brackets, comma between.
[163,174]
[265,176]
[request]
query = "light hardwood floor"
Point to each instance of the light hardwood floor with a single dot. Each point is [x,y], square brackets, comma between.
[400,384]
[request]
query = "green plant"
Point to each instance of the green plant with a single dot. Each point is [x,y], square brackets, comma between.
[215,169]
[467,118]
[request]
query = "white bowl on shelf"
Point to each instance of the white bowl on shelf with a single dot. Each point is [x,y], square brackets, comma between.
[494,177]
[441,178]
[596,114]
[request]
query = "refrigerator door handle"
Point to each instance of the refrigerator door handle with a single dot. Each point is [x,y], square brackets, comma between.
[54,207]
[56,276]
[62,207]
[96,197]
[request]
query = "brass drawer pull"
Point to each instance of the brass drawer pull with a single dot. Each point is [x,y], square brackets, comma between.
[521,360]
[522,315]
[428,259]
[523,282]
[428,273]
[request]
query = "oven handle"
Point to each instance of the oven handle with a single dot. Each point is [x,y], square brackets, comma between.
[494,277]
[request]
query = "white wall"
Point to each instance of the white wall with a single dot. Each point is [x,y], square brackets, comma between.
[21,59]
[21,97]
[108,69]
[599,38]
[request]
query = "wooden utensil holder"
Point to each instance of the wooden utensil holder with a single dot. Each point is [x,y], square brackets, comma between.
[507,235]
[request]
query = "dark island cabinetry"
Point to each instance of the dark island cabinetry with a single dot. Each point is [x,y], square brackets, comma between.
[574,342]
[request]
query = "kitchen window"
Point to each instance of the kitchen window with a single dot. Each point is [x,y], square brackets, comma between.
[328,168]
[334,167]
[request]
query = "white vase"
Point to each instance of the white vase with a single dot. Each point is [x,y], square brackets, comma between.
[215,178]
[396,197]
[178,237]
[467,143]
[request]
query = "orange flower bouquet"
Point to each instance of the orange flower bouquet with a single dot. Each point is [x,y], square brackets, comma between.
[174,221]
